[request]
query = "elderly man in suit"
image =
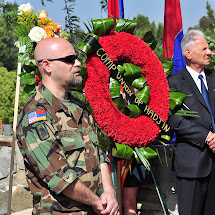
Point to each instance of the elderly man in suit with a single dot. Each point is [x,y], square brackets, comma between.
[195,136]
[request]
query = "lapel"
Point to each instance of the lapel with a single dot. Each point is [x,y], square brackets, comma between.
[191,85]
[211,87]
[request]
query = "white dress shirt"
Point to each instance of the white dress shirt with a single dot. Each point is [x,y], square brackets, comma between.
[195,76]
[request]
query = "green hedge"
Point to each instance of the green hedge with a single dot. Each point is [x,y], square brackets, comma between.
[7,95]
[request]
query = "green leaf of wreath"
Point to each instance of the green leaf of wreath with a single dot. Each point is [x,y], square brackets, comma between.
[114,87]
[85,47]
[122,151]
[139,82]
[143,95]
[150,39]
[133,111]
[104,143]
[176,99]
[165,139]
[103,27]
[27,78]
[131,70]
[121,69]
[189,113]
[125,25]
[147,152]
[168,67]
[142,158]
[119,102]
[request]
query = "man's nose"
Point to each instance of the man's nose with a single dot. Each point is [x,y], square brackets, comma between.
[209,52]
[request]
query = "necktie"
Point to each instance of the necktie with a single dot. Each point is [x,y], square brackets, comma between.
[207,100]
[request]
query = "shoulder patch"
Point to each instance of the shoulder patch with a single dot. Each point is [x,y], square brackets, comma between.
[36,116]
[42,131]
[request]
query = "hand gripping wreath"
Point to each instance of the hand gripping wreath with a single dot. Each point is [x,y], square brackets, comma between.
[121,128]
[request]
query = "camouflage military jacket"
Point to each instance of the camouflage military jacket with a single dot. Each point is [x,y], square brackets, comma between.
[58,147]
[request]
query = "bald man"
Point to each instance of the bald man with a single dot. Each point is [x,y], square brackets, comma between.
[66,170]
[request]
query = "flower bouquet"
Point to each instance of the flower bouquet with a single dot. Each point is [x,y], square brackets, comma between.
[30,29]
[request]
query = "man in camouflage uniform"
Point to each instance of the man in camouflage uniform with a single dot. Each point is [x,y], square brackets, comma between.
[66,171]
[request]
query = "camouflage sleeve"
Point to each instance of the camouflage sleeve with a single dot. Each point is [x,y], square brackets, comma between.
[44,152]
[103,157]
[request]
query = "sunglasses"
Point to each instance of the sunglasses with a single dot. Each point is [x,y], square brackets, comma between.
[67,59]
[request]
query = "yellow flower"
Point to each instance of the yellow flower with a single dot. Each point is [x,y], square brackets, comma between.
[43,21]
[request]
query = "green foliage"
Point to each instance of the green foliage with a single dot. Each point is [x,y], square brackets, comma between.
[144,26]
[8,53]
[72,23]
[104,5]
[7,95]
[207,23]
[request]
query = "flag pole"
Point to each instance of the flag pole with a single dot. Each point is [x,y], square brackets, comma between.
[16,105]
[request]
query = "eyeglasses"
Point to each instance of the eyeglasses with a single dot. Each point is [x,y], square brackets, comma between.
[67,59]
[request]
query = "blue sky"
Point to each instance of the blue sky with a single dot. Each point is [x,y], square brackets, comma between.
[192,10]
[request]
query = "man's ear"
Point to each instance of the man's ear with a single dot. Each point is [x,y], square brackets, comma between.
[47,66]
[188,54]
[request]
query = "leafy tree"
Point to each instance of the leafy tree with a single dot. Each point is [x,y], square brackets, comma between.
[210,12]
[7,95]
[207,23]
[104,5]
[144,25]
[8,52]
[72,27]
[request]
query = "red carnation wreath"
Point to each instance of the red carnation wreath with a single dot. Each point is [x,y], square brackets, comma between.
[121,128]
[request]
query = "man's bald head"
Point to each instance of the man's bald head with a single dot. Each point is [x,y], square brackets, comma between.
[52,47]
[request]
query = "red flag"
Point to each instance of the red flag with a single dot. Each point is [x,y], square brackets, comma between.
[113,9]
[173,33]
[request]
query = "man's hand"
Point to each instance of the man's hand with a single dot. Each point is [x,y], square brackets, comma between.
[108,198]
[110,204]
[98,207]
[211,141]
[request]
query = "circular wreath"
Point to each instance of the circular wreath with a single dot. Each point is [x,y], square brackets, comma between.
[121,128]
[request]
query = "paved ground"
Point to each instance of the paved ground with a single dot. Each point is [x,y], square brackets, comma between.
[25,212]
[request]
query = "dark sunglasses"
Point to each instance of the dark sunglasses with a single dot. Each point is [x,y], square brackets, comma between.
[67,59]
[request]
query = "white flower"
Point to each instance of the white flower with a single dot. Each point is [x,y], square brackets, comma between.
[26,8]
[43,14]
[36,34]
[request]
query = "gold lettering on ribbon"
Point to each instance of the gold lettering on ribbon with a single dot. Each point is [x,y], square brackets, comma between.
[123,83]
[101,49]
[158,123]
[138,101]
[165,127]
[105,59]
[155,117]
[147,109]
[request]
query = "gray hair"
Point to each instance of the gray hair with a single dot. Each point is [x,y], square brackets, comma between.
[189,39]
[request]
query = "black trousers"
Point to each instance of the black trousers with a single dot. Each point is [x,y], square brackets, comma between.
[192,194]
[210,201]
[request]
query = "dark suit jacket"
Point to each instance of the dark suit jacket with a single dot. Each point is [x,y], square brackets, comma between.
[193,157]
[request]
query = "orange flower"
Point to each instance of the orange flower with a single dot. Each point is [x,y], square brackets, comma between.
[54,25]
[49,31]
